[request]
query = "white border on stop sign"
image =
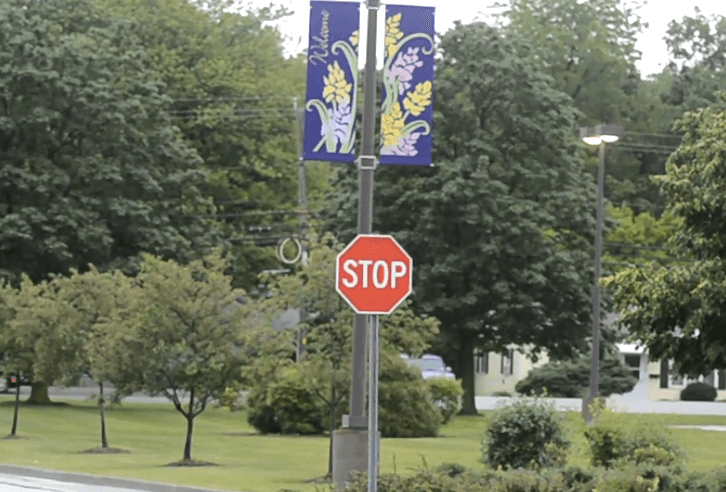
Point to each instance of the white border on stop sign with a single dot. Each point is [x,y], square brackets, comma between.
[337,272]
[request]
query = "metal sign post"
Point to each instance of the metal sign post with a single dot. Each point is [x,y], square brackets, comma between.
[373,441]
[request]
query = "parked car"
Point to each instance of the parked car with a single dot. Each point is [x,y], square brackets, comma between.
[431,366]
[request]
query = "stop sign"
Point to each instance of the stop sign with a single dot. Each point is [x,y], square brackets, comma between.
[373,274]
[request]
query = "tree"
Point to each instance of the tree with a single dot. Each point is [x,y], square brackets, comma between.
[11,359]
[500,228]
[94,171]
[233,90]
[587,47]
[64,326]
[180,335]
[329,328]
[677,311]
[637,238]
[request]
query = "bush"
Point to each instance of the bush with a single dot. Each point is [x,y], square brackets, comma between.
[285,405]
[570,379]
[699,392]
[406,408]
[526,434]
[446,394]
[231,397]
[502,393]
[613,443]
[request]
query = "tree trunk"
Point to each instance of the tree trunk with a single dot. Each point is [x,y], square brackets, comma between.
[190,428]
[101,402]
[38,394]
[468,404]
[14,430]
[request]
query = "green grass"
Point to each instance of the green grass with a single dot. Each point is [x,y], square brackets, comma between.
[155,436]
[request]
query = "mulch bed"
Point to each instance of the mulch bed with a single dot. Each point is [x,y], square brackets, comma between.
[105,451]
[192,463]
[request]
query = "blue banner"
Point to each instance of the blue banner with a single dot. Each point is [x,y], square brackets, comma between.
[332,81]
[408,86]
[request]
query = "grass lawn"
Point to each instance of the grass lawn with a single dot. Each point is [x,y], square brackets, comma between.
[155,436]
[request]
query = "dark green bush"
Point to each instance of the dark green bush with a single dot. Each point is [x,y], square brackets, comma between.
[285,405]
[406,408]
[613,442]
[446,394]
[699,392]
[570,379]
[526,433]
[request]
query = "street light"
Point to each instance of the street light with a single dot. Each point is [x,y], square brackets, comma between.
[599,135]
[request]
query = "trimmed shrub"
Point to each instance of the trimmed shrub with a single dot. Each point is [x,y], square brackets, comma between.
[285,405]
[612,442]
[570,379]
[406,408]
[446,394]
[699,392]
[525,434]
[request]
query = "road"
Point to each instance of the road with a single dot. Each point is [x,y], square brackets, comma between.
[85,393]
[15,483]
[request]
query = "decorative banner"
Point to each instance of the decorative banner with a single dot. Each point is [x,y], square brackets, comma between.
[332,82]
[408,77]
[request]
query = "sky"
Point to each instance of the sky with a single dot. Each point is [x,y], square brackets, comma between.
[651,43]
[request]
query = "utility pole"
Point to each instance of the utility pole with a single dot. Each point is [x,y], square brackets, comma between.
[303,205]
[350,446]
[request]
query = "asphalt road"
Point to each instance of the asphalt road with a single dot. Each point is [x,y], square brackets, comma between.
[15,483]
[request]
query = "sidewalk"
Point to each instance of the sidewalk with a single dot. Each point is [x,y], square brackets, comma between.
[619,404]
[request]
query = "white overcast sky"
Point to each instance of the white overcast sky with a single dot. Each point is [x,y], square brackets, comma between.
[657,14]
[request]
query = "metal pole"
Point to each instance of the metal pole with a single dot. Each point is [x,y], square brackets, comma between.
[373,362]
[303,204]
[595,370]
[357,417]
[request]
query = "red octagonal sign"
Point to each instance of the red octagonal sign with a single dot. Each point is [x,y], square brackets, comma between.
[373,274]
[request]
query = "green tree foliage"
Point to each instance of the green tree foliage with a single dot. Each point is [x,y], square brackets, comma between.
[637,238]
[94,171]
[587,47]
[677,311]
[570,379]
[182,335]
[232,91]
[507,169]
[62,325]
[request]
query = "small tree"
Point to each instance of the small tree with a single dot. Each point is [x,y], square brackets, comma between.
[8,349]
[69,322]
[181,336]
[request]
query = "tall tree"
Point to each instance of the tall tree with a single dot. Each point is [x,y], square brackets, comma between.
[500,228]
[678,311]
[181,335]
[233,93]
[93,169]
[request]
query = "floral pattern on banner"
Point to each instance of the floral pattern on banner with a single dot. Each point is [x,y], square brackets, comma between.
[336,106]
[403,102]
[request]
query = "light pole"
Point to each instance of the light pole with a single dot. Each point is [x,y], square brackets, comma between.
[599,135]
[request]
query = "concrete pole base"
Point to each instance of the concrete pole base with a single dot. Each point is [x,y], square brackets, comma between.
[350,453]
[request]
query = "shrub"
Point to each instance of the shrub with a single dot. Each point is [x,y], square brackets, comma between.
[525,433]
[699,392]
[570,379]
[297,410]
[613,442]
[284,405]
[231,397]
[502,393]
[406,408]
[446,394]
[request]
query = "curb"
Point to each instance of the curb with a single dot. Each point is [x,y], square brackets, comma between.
[97,480]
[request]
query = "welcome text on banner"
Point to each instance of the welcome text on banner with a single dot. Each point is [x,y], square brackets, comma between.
[332,81]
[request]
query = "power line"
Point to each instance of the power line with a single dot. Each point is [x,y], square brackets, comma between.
[247,98]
